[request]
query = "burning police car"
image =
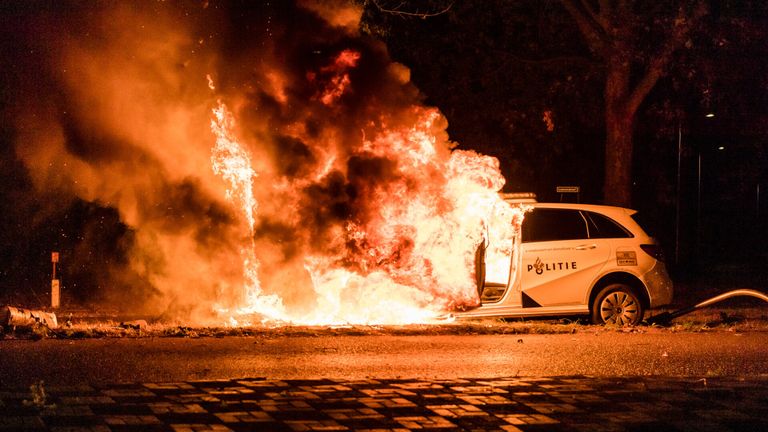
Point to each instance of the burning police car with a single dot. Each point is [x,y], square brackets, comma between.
[576,259]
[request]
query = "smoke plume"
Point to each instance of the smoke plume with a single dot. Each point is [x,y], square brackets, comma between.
[111,104]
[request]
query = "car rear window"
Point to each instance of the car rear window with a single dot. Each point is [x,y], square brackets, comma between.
[646,222]
[601,226]
[553,224]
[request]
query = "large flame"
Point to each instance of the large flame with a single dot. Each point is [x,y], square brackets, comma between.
[412,258]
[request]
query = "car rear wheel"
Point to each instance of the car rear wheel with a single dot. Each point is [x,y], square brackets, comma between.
[617,304]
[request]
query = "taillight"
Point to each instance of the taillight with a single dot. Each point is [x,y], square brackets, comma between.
[653,250]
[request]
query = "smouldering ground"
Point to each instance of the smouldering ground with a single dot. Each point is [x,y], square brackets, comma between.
[745,319]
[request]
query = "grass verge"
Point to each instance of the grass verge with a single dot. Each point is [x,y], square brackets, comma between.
[732,320]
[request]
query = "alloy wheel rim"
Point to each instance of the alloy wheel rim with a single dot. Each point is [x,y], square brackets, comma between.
[619,308]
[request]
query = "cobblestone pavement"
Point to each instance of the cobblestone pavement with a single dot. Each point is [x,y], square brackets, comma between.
[505,404]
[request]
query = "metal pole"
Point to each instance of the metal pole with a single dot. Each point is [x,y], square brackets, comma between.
[677,200]
[698,204]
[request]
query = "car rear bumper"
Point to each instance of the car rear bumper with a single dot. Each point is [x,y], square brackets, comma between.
[660,289]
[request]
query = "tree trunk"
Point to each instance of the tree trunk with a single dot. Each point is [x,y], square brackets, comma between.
[618,159]
[609,32]
[619,122]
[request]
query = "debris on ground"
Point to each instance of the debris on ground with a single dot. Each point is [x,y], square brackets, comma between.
[98,325]
[38,397]
[134,325]
[19,317]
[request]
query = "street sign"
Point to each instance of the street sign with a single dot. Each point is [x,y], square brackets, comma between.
[567,189]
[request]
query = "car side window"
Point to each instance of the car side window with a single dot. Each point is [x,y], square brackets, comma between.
[604,227]
[553,224]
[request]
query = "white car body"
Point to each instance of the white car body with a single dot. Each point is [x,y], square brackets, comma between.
[564,276]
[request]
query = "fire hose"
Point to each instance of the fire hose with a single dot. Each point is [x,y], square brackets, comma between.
[665,317]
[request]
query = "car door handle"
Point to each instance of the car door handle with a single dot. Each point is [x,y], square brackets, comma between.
[586,247]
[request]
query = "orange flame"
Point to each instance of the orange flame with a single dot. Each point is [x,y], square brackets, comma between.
[412,259]
[339,81]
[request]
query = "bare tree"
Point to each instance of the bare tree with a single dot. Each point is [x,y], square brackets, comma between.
[404,9]
[611,30]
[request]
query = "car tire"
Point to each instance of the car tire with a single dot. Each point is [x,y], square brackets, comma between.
[617,304]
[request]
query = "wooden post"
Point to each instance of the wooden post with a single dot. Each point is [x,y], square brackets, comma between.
[55,288]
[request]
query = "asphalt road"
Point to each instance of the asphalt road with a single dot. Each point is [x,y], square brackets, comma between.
[105,361]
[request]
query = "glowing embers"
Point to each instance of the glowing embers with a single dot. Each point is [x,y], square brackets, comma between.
[335,76]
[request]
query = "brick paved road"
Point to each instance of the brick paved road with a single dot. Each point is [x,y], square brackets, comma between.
[505,404]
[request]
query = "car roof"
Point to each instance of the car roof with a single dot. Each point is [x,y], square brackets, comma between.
[528,199]
[604,209]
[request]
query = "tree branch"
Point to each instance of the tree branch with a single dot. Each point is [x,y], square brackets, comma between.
[602,17]
[682,27]
[590,27]
[605,6]
[398,11]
